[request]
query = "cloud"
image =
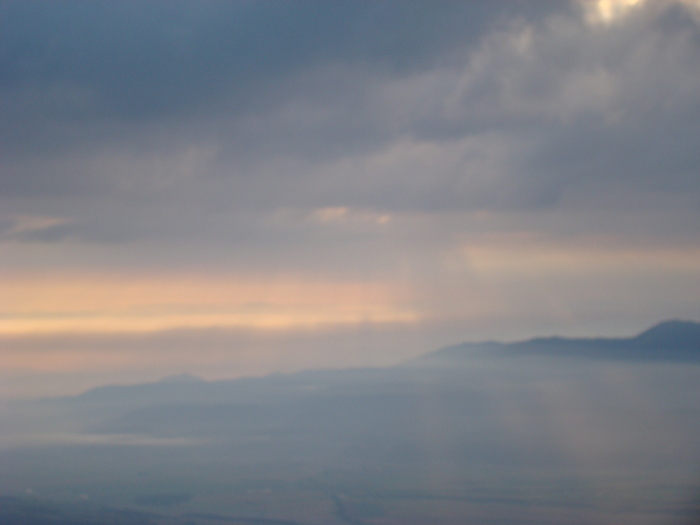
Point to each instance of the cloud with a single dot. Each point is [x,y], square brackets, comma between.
[92,80]
[28,227]
[371,142]
[139,62]
[241,107]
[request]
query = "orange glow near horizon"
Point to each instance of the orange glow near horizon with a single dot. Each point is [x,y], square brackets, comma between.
[93,303]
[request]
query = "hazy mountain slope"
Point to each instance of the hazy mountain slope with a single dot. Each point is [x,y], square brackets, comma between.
[668,341]
[459,382]
[449,404]
[592,430]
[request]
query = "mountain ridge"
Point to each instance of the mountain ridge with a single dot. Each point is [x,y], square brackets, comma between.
[672,340]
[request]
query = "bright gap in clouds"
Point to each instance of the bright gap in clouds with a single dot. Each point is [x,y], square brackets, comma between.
[607,11]
[610,11]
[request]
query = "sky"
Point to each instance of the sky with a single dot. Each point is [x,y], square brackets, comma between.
[237,188]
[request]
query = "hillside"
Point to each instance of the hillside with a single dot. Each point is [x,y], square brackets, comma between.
[591,430]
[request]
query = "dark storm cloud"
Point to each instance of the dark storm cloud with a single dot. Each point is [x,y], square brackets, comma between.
[81,77]
[132,118]
[77,61]
[147,60]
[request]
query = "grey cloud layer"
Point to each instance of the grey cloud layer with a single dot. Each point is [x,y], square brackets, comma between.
[179,117]
[144,61]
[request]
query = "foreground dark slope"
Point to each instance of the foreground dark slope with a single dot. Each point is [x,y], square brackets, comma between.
[592,430]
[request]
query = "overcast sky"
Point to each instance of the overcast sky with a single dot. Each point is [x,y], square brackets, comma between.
[245,187]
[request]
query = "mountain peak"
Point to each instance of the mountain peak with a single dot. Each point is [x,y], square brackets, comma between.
[675,331]
[673,340]
[182,378]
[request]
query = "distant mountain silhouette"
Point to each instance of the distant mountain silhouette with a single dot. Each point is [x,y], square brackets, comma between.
[672,333]
[182,378]
[331,403]
[487,415]
[673,340]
